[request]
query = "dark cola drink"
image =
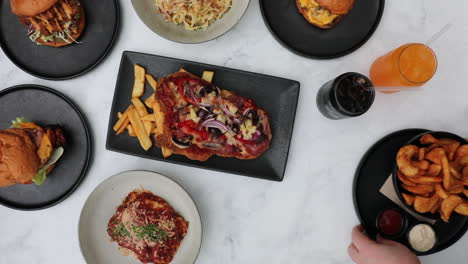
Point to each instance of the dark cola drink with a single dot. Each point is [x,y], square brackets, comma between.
[349,95]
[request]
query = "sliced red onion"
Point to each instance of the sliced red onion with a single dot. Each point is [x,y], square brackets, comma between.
[237,121]
[216,124]
[226,111]
[256,135]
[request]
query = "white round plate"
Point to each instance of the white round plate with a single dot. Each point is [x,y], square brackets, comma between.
[102,203]
[146,10]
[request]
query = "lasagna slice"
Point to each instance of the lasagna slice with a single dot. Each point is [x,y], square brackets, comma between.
[147,226]
[197,119]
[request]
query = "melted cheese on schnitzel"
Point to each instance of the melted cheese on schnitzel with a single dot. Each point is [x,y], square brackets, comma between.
[316,13]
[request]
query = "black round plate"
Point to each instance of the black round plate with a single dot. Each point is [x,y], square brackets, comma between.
[102,27]
[292,30]
[47,107]
[374,168]
[415,141]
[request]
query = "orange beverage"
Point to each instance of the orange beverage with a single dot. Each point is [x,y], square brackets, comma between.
[412,64]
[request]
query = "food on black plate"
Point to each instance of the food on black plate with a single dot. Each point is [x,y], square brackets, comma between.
[193,14]
[147,226]
[52,23]
[195,118]
[434,176]
[29,152]
[324,13]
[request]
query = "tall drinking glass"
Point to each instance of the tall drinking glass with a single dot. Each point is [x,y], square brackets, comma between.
[410,65]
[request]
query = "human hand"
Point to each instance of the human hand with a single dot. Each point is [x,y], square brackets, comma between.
[364,250]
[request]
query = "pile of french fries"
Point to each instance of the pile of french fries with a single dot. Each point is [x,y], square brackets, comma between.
[139,119]
[435,176]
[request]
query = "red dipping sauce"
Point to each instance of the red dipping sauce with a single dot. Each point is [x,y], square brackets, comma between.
[390,222]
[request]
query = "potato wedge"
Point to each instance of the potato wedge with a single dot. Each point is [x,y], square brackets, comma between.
[419,189]
[465,172]
[139,107]
[446,172]
[440,191]
[456,187]
[404,179]
[435,155]
[448,206]
[450,146]
[409,199]
[139,82]
[153,83]
[421,164]
[139,128]
[119,114]
[426,179]
[461,151]
[455,173]
[462,208]
[465,192]
[463,161]
[428,139]
[208,76]
[434,170]
[425,205]
[404,157]
[422,153]
[436,207]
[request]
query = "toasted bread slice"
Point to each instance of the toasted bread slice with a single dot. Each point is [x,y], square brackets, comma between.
[317,15]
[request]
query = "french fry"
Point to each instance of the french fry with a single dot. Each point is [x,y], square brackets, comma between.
[153,131]
[121,120]
[148,127]
[157,118]
[153,83]
[208,76]
[150,100]
[139,128]
[139,83]
[131,131]
[149,117]
[166,152]
[119,114]
[123,126]
[140,107]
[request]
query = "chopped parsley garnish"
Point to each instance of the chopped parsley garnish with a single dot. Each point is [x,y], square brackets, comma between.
[120,231]
[151,232]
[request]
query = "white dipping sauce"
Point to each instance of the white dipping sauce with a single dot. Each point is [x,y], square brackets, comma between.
[422,238]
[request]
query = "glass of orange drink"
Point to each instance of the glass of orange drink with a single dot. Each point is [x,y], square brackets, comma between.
[410,65]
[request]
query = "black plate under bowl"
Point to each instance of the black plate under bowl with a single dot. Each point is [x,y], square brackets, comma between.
[415,141]
[276,95]
[292,30]
[102,27]
[373,170]
[46,106]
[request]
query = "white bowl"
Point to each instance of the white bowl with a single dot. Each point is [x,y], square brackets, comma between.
[95,243]
[146,10]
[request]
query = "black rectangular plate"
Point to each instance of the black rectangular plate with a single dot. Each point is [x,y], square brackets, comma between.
[276,95]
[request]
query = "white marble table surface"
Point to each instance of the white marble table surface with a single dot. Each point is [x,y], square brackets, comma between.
[308,217]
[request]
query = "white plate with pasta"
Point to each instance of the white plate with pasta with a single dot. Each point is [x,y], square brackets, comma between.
[190,21]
